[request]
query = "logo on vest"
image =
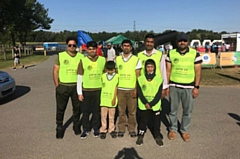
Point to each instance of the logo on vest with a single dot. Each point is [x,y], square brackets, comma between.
[89,67]
[66,62]
[144,87]
[176,61]
[120,67]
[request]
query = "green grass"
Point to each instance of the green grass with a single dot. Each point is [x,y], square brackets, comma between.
[26,60]
[218,77]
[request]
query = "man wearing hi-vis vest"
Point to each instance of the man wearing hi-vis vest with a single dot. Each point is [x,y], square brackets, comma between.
[184,74]
[65,80]
[89,85]
[128,68]
[151,53]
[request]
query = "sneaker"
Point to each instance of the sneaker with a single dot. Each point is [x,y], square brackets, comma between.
[139,141]
[23,67]
[133,134]
[102,135]
[171,135]
[113,134]
[159,141]
[59,132]
[85,134]
[120,134]
[76,129]
[14,68]
[186,137]
[96,133]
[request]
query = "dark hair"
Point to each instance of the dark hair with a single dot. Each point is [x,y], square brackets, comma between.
[110,65]
[92,44]
[100,43]
[150,35]
[72,38]
[126,41]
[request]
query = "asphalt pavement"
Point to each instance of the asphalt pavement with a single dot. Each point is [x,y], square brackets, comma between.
[27,126]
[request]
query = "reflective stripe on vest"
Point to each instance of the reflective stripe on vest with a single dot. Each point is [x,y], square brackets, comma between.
[108,90]
[182,66]
[93,71]
[127,72]
[149,90]
[68,67]
[155,56]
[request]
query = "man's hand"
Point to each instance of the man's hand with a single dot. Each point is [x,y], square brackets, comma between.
[148,106]
[163,93]
[80,97]
[195,92]
[134,93]
[167,91]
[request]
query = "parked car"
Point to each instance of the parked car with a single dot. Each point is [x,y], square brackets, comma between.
[7,84]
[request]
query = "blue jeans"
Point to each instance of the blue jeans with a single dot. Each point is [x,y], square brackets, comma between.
[185,95]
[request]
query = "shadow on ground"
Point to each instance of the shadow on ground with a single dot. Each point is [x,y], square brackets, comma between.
[236,117]
[228,76]
[20,91]
[128,153]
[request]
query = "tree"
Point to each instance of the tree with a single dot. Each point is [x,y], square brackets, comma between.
[21,17]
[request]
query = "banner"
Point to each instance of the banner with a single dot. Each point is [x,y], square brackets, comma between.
[209,59]
[229,58]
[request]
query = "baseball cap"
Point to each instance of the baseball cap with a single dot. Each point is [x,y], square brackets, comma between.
[182,36]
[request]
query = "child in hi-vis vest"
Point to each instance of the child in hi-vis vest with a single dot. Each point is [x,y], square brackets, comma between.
[149,90]
[108,100]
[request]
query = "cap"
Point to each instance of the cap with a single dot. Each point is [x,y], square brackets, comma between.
[182,36]
[109,43]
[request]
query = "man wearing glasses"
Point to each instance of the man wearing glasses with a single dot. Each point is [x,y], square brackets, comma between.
[65,80]
[184,74]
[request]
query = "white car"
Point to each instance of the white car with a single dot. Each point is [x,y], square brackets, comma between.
[7,84]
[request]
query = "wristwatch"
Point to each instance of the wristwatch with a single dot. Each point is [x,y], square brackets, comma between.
[196,87]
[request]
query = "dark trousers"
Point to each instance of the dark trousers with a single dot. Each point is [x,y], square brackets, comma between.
[149,118]
[62,95]
[91,105]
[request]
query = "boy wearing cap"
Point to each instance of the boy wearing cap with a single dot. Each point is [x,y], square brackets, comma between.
[184,74]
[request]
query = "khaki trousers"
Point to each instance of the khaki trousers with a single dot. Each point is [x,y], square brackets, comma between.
[126,101]
[111,113]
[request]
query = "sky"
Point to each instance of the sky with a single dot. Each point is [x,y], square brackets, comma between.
[157,15]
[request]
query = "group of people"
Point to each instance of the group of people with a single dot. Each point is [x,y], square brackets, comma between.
[132,85]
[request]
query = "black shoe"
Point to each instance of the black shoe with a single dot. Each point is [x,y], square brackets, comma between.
[139,141]
[14,68]
[59,132]
[76,129]
[102,135]
[96,133]
[133,134]
[159,141]
[113,134]
[85,134]
[120,134]
[23,67]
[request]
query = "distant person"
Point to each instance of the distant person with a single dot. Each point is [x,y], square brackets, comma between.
[89,84]
[65,80]
[111,53]
[207,47]
[216,50]
[99,49]
[17,58]
[223,48]
[108,100]
[149,90]
[184,74]
[227,47]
